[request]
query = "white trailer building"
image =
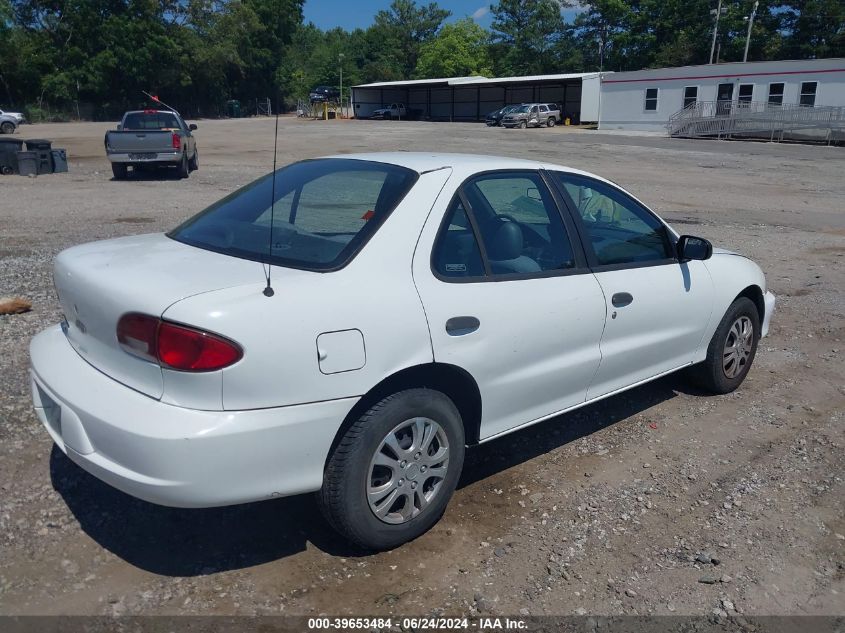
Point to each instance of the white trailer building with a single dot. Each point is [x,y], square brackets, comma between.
[646,99]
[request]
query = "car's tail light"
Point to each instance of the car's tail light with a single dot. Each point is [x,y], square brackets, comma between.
[137,334]
[175,346]
[177,141]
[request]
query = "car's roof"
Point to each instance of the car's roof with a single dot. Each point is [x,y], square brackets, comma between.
[428,161]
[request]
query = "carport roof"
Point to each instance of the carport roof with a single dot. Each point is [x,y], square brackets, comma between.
[477,80]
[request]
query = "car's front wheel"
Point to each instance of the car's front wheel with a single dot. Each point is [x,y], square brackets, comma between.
[732,349]
[7,127]
[523,125]
[394,470]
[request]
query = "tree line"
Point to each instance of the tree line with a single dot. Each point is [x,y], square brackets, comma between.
[197,54]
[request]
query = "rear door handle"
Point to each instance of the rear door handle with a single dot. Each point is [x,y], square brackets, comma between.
[621,299]
[461,325]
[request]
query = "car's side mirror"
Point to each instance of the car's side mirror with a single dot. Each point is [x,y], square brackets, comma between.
[691,247]
[192,127]
[119,127]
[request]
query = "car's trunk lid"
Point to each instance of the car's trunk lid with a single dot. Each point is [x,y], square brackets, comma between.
[97,283]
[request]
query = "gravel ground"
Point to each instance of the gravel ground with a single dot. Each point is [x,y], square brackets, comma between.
[661,500]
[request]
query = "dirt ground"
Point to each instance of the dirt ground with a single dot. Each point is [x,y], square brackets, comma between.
[661,500]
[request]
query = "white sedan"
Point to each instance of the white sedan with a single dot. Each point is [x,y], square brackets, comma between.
[382,313]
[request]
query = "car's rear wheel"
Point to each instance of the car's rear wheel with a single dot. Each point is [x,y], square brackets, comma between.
[194,163]
[550,122]
[731,350]
[7,127]
[119,171]
[394,470]
[184,168]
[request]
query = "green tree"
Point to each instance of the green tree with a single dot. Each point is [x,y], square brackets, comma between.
[403,29]
[524,34]
[460,49]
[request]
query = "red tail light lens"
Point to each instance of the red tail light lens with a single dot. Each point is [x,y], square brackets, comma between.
[194,350]
[175,346]
[137,334]
[177,141]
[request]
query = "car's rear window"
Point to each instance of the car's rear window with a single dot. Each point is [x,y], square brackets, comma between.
[150,121]
[325,211]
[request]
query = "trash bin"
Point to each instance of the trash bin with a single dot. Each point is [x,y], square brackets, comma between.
[233,108]
[27,163]
[59,161]
[42,148]
[9,149]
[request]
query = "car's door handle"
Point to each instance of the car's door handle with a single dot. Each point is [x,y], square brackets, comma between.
[621,299]
[461,325]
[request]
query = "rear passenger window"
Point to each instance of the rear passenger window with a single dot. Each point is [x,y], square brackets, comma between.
[519,223]
[456,253]
[620,230]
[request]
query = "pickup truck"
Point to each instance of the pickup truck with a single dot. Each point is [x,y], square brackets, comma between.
[152,138]
[395,111]
[533,114]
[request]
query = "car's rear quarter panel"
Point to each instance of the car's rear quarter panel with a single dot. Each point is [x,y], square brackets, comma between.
[374,294]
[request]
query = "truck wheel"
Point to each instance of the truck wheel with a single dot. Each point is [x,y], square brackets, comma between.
[523,125]
[7,127]
[550,122]
[119,171]
[392,473]
[194,163]
[731,350]
[184,168]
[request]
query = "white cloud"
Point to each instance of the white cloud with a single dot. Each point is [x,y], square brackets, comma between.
[480,12]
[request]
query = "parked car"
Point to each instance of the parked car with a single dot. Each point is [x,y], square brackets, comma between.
[494,118]
[17,116]
[395,111]
[532,114]
[147,139]
[376,348]
[8,124]
[324,93]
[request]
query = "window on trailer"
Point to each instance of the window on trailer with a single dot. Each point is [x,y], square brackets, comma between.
[746,93]
[808,93]
[690,96]
[776,93]
[651,99]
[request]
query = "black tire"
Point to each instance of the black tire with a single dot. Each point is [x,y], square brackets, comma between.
[343,497]
[119,171]
[7,127]
[184,169]
[712,374]
[551,122]
[523,125]
[194,163]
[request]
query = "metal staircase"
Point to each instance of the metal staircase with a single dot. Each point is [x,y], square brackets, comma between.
[756,119]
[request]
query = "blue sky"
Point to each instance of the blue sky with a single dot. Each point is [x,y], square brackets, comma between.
[350,14]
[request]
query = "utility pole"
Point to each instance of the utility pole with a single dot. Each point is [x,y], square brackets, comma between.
[718,12]
[750,24]
[340,61]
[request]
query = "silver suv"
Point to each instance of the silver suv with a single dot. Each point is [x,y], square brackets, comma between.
[533,114]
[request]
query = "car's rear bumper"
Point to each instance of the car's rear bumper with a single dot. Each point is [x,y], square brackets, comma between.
[172,455]
[160,158]
[769,303]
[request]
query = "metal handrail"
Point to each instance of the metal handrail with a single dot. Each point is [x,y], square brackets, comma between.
[756,118]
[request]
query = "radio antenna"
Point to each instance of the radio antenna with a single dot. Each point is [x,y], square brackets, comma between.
[268,291]
[157,100]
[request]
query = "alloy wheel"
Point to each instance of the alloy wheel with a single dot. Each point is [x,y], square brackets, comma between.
[738,346]
[407,470]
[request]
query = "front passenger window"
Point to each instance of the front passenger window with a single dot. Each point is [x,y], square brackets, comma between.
[620,230]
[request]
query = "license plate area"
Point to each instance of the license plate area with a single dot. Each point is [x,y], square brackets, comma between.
[143,156]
